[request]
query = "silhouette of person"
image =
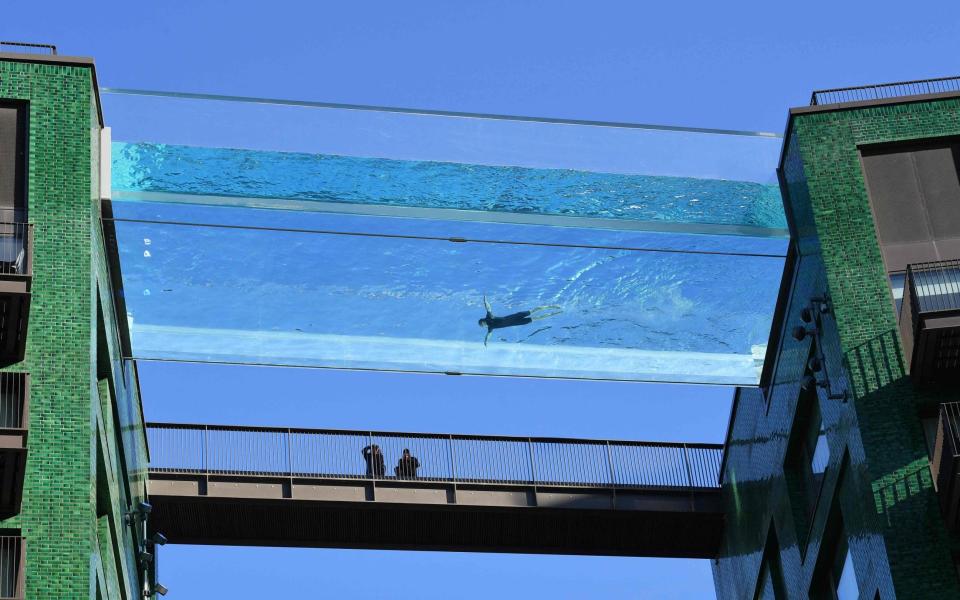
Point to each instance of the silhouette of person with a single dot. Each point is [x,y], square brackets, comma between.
[525,317]
[374,459]
[407,466]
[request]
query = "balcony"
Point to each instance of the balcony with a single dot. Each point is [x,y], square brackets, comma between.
[12,561]
[930,321]
[14,403]
[16,275]
[945,464]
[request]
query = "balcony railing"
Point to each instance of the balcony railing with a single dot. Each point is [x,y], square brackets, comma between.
[880,91]
[945,464]
[930,320]
[339,454]
[28,48]
[14,426]
[12,559]
[16,276]
[15,244]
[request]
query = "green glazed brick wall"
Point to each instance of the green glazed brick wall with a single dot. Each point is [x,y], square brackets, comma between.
[59,512]
[897,538]
[885,401]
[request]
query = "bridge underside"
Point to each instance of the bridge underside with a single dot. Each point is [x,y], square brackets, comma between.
[430,515]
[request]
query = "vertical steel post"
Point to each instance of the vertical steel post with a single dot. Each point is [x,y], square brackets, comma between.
[613,477]
[686,458]
[453,459]
[373,468]
[533,469]
[289,453]
[453,466]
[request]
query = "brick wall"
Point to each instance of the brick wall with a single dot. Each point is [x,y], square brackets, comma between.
[59,512]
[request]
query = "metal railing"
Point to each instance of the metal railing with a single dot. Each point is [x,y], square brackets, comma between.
[27,47]
[950,424]
[339,454]
[929,287]
[881,91]
[14,400]
[11,567]
[16,238]
[934,286]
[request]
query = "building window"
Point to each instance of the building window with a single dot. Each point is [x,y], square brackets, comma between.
[847,580]
[770,584]
[808,454]
[13,155]
[836,579]
[834,576]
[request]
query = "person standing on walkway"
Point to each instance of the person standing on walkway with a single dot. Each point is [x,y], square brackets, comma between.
[407,466]
[373,456]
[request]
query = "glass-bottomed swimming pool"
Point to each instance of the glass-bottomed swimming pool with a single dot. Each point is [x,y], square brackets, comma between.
[268,254]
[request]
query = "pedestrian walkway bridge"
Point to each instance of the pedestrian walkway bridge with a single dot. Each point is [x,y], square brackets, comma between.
[264,486]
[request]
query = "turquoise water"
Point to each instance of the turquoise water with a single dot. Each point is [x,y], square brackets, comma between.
[425,184]
[371,292]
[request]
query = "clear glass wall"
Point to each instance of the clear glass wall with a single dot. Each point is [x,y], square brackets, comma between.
[294,234]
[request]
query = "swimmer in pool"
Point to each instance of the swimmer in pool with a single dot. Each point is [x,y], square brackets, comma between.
[520,318]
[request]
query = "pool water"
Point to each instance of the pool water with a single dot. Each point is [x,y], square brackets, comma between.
[430,184]
[323,289]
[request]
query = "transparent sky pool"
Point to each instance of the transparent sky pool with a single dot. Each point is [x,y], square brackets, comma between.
[260,233]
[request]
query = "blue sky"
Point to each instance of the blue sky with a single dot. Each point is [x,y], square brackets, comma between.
[725,65]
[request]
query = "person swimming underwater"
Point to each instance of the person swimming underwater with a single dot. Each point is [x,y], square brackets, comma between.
[525,317]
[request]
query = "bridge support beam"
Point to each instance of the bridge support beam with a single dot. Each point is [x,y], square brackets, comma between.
[435,515]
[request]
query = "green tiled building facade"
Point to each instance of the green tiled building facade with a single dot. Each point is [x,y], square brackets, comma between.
[868,501]
[86,458]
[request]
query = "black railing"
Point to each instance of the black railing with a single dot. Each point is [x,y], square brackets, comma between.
[934,286]
[27,47]
[16,237]
[14,400]
[949,429]
[11,567]
[880,91]
[929,289]
[943,463]
[339,454]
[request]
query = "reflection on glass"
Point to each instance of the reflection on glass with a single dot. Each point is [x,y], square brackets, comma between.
[896,284]
[821,454]
[312,128]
